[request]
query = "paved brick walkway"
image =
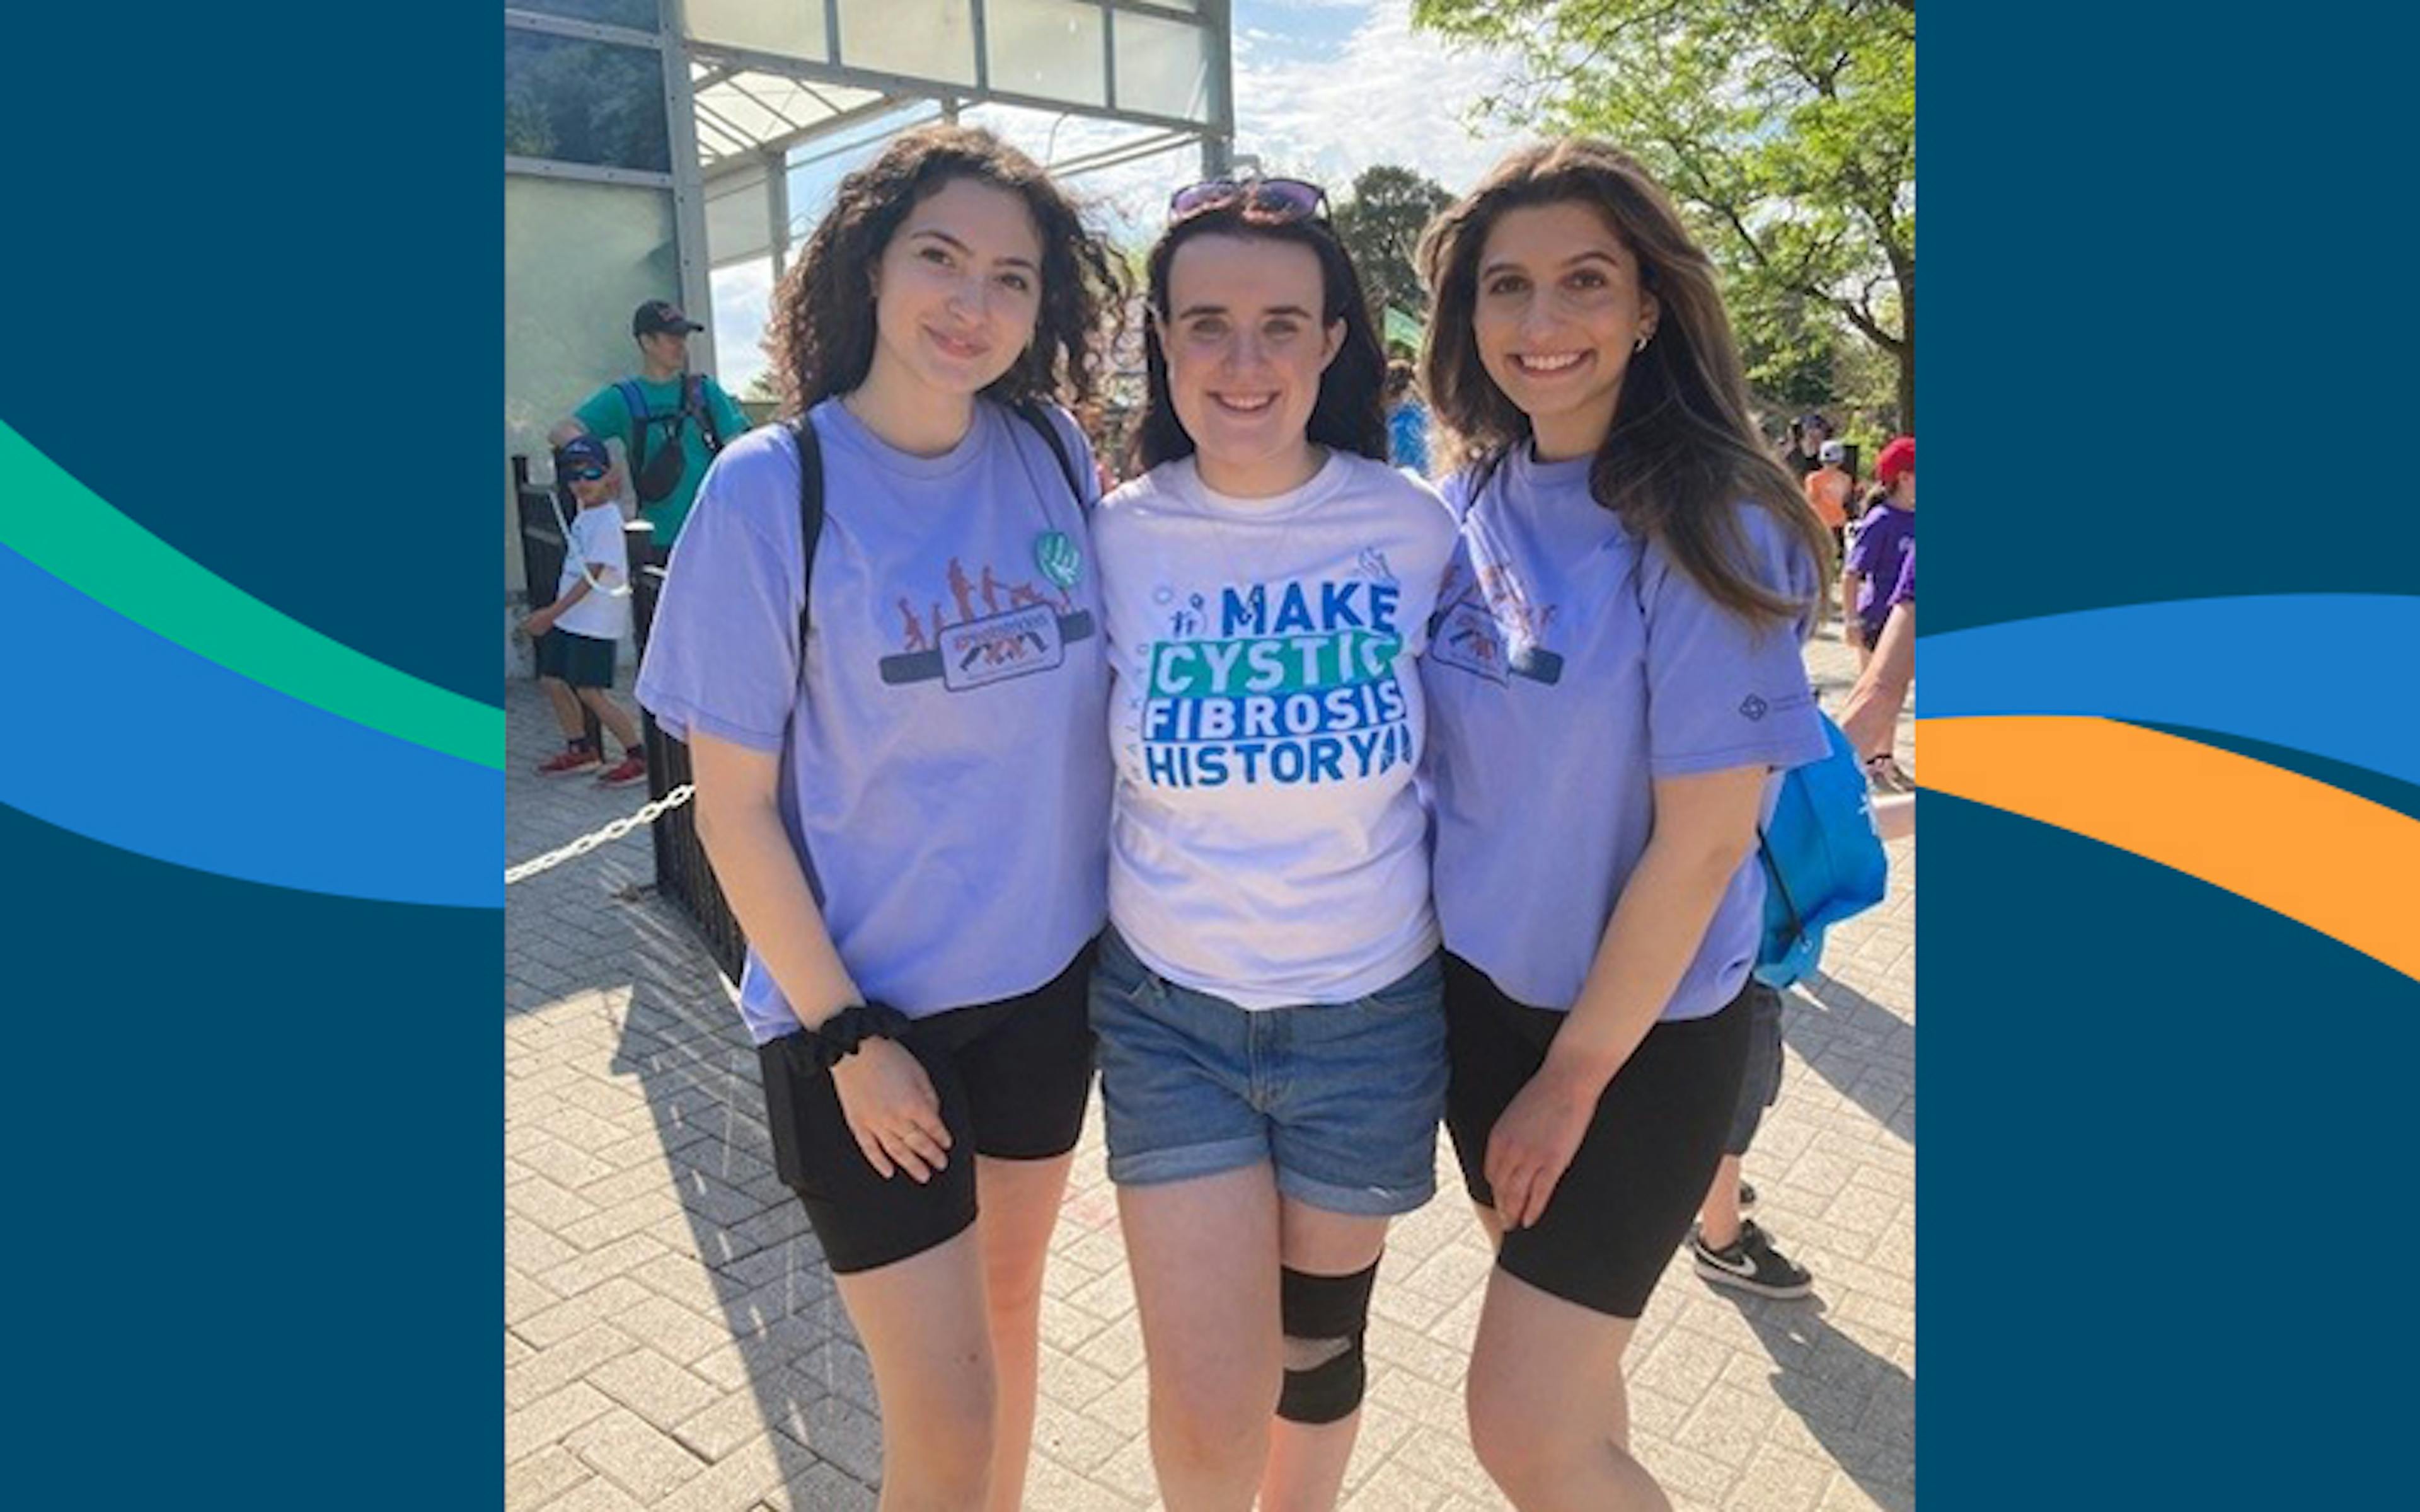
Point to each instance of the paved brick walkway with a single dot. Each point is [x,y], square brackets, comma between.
[673,1340]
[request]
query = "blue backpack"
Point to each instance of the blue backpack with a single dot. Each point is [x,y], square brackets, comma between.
[1822,861]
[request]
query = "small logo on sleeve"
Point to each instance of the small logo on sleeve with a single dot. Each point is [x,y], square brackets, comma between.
[1753,707]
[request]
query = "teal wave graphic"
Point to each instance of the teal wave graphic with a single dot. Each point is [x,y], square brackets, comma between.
[69,532]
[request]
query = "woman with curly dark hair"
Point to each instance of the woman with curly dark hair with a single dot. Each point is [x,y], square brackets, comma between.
[1614,684]
[901,780]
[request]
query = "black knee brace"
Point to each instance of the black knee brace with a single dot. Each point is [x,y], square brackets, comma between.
[1326,1309]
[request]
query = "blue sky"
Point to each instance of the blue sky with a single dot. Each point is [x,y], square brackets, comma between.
[1324,88]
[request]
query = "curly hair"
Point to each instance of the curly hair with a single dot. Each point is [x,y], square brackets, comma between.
[821,335]
[1348,415]
[1683,449]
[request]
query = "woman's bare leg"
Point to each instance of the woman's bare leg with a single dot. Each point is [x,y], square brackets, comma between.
[1204,1258]
[927,1333]
[1306,1461]
[1548,1415]
[1020,1207]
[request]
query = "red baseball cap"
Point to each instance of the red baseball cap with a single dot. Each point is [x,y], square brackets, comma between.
[1898,457]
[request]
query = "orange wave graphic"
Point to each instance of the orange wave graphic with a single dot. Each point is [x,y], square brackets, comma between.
[2342,865]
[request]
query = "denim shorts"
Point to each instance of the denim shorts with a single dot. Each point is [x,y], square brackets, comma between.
[1341,1099]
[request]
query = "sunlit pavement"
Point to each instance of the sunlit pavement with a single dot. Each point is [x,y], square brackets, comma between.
[673,1341]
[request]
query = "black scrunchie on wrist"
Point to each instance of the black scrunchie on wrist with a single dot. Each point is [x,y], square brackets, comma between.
[842,1034]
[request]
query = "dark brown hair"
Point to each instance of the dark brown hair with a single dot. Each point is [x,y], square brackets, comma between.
[1684,450]
[1348,415]
[821,335]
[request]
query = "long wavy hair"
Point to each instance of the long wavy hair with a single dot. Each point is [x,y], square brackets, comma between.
[1348,415]
[1683,449]
[821,336]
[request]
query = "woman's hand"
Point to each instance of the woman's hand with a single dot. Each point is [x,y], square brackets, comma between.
[892,1110]
[1535,1140]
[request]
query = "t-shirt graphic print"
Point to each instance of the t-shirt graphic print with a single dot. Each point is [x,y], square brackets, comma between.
[1003,628]
[1280,683]
[1487,625]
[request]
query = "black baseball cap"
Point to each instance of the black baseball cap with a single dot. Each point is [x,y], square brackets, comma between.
[660,316]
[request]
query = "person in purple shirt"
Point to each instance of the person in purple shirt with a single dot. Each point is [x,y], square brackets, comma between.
[1870,716]
[1885,534]
[1614,683]
[901,774]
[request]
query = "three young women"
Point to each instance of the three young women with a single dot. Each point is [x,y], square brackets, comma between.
[903,784]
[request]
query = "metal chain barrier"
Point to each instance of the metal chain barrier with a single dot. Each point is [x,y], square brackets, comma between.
[606,836]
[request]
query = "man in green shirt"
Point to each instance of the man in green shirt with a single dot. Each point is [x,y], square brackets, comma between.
[680,410]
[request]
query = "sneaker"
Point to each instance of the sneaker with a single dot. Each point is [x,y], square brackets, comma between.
[632,768]
[1750,1263]
[570,758]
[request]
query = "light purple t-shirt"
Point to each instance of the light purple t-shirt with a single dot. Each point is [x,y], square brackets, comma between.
[1568,669]
[1905,592]
[946,780]
[1884,537]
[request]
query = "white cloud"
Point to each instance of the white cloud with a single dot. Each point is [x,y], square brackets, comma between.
[743,298]
[1380,93]
[1130,199]
[1308,4]
[1391,95]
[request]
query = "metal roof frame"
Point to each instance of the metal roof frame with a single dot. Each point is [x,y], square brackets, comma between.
[733,110]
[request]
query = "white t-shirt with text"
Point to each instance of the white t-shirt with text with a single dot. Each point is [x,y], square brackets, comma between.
[1268,844]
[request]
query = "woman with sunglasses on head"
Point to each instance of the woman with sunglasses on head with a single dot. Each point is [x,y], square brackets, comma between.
[1272,1049]
[896,730]
[1614,683]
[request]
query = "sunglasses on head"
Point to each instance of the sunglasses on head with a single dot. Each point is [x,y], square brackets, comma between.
[1276,199]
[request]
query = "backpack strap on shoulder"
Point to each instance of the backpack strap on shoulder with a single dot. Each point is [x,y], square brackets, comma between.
[1483,477]
[810,518]
[1031,413]
[693,403]
[634,403]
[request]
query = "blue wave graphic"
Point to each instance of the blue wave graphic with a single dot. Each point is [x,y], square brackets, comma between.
[131,740]
[2333,674]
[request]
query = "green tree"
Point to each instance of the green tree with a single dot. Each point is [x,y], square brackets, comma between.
[1381,226]
[1785,129]
[581,102]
